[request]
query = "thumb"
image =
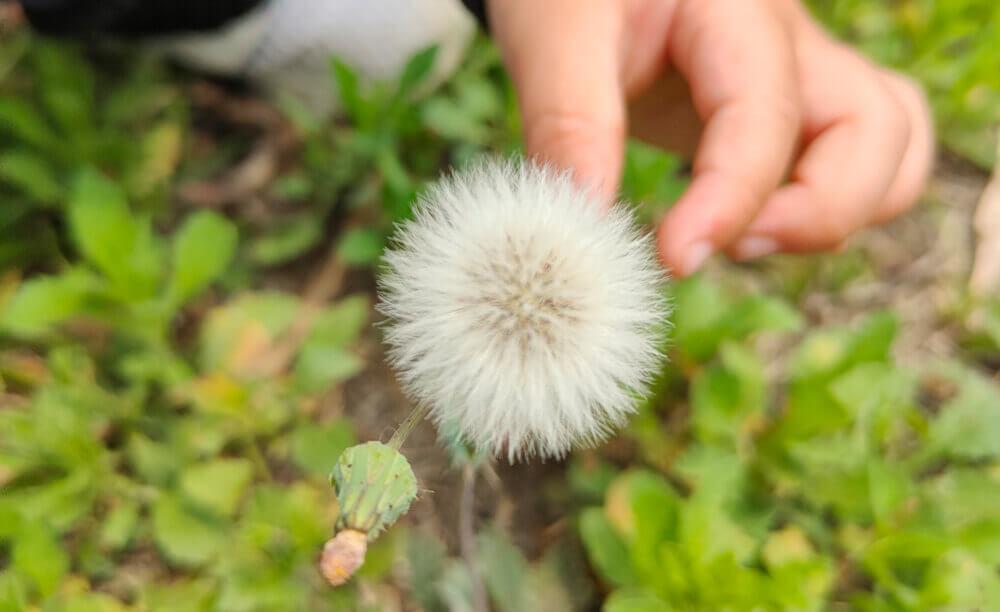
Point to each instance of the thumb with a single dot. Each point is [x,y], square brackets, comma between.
[564,59]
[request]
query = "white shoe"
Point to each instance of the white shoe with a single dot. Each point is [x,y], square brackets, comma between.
[285,46]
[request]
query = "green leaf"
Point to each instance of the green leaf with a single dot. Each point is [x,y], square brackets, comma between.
[361,247]
[184,537]
[635,601]
[217,485]
[203,248]
[316,448]
[38,556]
[425,556]
[46,301]
[12,593]
[245,319]
[109,237]
[180,595]
[348,89]
[23,120]
[161,153]
[963,497]
[156,463]
[67,88]
[447,118]
[340,325]
[605,548]
[968,426]
[31,174]
[93,602]
[287,240]
[889,486]
[504,570]
[704,317]
[723,397]
[119,525]
[318,368]
[417,69]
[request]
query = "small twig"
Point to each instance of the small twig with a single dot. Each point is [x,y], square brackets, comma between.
[467,537]
[321,289]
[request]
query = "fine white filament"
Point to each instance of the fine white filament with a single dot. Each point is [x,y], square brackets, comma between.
[520,312]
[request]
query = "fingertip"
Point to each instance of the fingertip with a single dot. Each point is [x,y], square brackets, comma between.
[590,148]
[682,256]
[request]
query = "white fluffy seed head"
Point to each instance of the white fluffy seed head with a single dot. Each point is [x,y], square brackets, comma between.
[521,312]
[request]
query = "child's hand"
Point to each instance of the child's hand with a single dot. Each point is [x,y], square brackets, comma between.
[772,98]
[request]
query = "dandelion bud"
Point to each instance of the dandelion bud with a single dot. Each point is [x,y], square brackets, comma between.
[375,486]
[521,312]
[343,555]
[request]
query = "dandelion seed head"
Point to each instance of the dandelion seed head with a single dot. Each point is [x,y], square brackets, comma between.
[520,311]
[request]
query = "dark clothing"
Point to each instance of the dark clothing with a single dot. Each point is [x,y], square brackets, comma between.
[133,17]
[149,17]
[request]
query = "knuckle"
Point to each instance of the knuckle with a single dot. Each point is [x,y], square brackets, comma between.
[889,116]
[561,127]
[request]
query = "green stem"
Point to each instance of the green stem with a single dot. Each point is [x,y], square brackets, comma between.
[406,427]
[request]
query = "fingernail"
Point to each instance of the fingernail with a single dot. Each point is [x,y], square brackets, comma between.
[697,253]
[753,247]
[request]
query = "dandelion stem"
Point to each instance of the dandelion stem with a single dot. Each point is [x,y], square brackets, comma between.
[467,537]
[406,427]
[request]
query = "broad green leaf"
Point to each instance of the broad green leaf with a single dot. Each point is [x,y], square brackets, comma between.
[92,602]
[342,323]
[156,463]
[182,595]
[889,487]
[360,247]
[447,118]
[13,594]
[759,313]
[722,397]
[319,367]
[705,316]
[968,426]
[417,69]
[956,581]
[635,601]
[479,97]
[31,174]
[965,496]
[242,325]
[186,538]
[504,571]
[21,119]
[67,89]
[287,240]
[202,249]
[119,525]
[38,555]
[652,176]
[606,549]
[297,515]
[425,559]
[217,485]
[60,503]
[316,448]
[45,301]
[111,238]
[348,89]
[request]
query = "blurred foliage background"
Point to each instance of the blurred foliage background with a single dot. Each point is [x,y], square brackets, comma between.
[185,304]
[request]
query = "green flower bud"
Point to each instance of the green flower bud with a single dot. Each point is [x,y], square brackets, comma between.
[375,486]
